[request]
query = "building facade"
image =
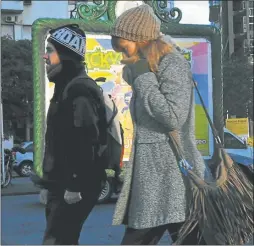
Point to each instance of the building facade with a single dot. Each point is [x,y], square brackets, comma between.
[17,16]
[249,26]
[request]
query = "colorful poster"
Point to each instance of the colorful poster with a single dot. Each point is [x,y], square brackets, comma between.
[198,53]
[102,61]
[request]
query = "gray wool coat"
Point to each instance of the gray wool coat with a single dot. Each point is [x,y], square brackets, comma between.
[154,193]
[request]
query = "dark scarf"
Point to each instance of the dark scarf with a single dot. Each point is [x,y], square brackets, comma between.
[70,69]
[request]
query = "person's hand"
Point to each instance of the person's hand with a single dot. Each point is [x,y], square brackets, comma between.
[72,197]
[138,68]
[132,71]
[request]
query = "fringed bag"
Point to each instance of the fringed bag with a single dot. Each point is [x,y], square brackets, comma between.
[222,209]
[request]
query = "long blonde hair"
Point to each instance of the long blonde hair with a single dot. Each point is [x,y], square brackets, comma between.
[152,50]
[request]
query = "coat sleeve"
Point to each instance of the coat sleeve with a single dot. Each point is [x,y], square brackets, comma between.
[167,98]
[80,144]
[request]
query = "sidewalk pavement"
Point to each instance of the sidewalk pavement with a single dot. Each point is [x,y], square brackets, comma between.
[20,186]
[14,210]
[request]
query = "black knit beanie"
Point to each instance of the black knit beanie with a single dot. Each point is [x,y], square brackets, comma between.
[69,41]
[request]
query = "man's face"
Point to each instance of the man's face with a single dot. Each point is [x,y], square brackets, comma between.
[52,60]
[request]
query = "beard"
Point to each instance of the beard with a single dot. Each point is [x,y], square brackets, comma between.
[53,71]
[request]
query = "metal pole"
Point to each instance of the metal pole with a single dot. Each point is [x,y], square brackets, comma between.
[1,129]
[2,140]
[247,6]
[217,12]
[231,35]
[226,36]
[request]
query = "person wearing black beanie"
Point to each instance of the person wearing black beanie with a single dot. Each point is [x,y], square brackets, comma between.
[75,130]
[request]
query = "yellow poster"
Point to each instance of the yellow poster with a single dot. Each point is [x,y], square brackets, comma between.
[239,126]
[250,141]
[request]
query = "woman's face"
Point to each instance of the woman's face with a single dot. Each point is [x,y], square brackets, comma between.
[128,48]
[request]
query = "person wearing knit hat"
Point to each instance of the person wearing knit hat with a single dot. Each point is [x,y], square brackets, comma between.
[137,24]
[153,197]
[70,175]
[69,42]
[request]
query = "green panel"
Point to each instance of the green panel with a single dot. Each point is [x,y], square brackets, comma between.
[92,23]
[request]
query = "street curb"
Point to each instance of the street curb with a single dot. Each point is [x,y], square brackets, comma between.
[21,193]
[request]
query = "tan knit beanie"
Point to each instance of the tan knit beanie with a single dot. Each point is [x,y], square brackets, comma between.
[137,24]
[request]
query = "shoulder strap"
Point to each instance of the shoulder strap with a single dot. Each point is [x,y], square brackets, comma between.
[174,135]
[214,131]
[74,81]
[115,111]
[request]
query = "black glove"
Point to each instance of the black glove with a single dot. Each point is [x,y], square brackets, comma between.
[132,71]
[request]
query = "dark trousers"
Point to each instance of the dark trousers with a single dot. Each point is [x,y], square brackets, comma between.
[64,221]
[152,236]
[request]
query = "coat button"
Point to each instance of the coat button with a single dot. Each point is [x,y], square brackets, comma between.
[75,175]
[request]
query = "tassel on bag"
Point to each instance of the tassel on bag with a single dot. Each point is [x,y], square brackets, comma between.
[222,209]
